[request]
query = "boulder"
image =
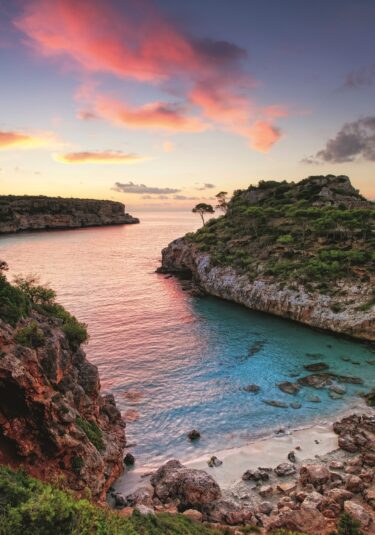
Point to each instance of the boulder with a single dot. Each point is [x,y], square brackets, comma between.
[227,512]
[141,496]
[358,512]
[265,508]
[316,380]
[306,520]
[255,475]
[129,459]
[214,462]
[346,442]
[339,495]
[173,481]
[285,469]
[194,515]
[316,474]
[354,484]
[336,465]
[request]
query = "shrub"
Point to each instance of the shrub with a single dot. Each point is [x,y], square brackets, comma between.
[74,330]
[30,336]
[285,239]
[77,464]
[28,506]
[93,432]
[14,305]
[348,526]
[36,293]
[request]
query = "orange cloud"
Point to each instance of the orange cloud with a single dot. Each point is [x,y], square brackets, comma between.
[157,115]
[18,140]
[263,136]
[98,157]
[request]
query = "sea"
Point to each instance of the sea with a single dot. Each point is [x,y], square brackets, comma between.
[176,362]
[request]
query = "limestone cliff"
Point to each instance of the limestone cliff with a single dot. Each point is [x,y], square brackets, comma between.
[301,251]
[26,213]
[53,419]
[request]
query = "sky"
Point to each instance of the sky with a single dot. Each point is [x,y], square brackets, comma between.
[162,104]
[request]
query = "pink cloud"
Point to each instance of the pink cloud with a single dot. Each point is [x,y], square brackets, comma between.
[137,42]
[105,157]
[16,140]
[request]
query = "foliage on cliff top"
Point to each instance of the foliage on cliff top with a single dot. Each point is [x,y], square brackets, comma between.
[30,506]
[19,300]
[320,229]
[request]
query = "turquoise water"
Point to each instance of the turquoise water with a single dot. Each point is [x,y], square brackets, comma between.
[175,362]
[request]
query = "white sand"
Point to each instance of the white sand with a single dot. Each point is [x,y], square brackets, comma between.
[268,452]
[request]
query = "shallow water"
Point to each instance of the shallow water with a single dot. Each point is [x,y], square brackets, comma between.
[175,362]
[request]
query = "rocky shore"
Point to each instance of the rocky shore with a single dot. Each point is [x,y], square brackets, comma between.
[307,495]
[54,421]
[32,213]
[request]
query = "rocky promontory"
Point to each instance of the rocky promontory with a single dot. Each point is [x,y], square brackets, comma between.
[300,251]
[54,421]
[28,213]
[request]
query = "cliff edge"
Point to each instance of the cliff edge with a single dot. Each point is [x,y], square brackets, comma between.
[301,251]
[53,419]
[27,213]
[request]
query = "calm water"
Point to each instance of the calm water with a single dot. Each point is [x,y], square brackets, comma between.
[172,361]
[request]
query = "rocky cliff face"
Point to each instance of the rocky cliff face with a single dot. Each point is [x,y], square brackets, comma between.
[53,419]
[22,213]
[299,304]
[300,251]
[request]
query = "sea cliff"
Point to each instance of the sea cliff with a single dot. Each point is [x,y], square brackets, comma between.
[54,421]
[28,213]
[300,251]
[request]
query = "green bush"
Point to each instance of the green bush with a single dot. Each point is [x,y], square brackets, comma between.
[36,293]
[30,336]
[14,305]
[93,432]
[74,330]
[285,239]
[28,506]
[348,526]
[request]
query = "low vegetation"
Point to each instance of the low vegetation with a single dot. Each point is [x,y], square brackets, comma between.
[26,295]
[303,232]
[30,506]
[93,432]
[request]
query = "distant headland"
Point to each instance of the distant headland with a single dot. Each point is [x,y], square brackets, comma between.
[36,213]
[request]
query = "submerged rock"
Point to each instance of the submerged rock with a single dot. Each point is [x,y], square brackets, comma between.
[194,435]
[255,347]
[252,388]
[316,367]
[275,403]
[289,387]
[295,405]
[316,380]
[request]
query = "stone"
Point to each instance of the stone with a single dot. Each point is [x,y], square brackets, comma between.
[358,512]
[347,443]
[214,462]
[252,388]
[265,508]
[315,474]
[307,520]
[316,367]
[144,510]
[338,389]
[334,395]
[292,457]
[287,488]
[295,405]
[141,496]
[336,465]
[129,459]
[275,403]
[194,515]
[289,387]
[316,380]
[354,484]
[120,500]
[313,499]
[265,490]
[339,495]
[190,486]
[313,399]
[194,435]
[285,469]
[255,475]
[227,512]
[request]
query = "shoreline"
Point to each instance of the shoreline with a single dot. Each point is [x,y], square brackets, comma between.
[265,451]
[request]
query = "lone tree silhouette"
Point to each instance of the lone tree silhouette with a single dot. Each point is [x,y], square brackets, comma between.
[203,208]
[222,203]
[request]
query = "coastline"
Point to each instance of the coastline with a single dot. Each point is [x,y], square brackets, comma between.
[315,440]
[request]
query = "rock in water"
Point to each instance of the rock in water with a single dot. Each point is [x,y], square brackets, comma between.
[214,462]
[275,403]
[316,367]
[252,388]
[194,435]
[289,388]
[129,459]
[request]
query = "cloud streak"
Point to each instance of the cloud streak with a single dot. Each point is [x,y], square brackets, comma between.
[99,157]
[362,77]
[130,187]
[355,140]
[133,40]
[18,140]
